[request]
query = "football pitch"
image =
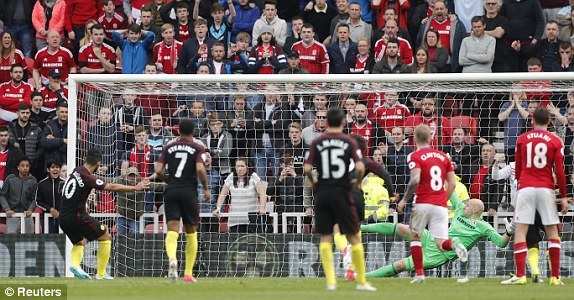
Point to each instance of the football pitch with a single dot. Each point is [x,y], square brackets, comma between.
[296,289]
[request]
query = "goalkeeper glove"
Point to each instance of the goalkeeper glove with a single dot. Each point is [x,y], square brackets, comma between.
[509,227]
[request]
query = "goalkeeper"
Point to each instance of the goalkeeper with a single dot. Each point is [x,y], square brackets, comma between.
[466,225]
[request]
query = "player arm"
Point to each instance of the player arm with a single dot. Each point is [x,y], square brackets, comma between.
[450,183]
[116,187]
[414,180]
[359,171]
[386,176]
[202,175]
[160,171]
[500,240]
[499,174]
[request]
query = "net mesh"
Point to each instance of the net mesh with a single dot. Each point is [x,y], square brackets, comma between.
[473,113]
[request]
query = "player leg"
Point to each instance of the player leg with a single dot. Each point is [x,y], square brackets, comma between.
[104,251]
[391,269]
[325,220]
[549,217]
[419,220]
[347,258]
[190,223]
[398,229]
[523,217]
[533,238]
[438,227]
[173,214]
[71,228]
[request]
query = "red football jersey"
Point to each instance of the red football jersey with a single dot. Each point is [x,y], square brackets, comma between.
[361,64]
[446,132]
[314,57]
[267,67]
[6,64]
[117,21]
[405,50]
[3,161]
[434,165]
[87,58]
[61,59]
[444,29]
[374,100]
[389,117]
[540,154]
[51,97]
[184,32]
[12,95]
[366,131]
[167,55]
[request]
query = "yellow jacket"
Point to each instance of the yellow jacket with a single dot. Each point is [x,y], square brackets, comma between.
[376,197]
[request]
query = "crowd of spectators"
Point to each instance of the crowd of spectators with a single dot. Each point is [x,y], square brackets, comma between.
[44,41]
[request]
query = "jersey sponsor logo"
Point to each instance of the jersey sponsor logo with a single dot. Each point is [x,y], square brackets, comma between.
[52,65]
[10,95]
[307,57]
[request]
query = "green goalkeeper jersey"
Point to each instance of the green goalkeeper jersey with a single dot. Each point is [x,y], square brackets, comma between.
[470,231]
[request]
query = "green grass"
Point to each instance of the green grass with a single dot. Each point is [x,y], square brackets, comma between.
[297,289]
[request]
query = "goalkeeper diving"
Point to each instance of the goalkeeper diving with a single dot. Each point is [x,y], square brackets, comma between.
[467,225]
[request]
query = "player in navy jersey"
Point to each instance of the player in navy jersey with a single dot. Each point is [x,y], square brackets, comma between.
[539,154]
[332,153]
[184,159]
[430,169]
[75,221]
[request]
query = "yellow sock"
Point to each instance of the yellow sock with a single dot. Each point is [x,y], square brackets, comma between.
[533,255]
[77,255]
[326,251]
[104,250]
[340,241]
[171,244]
[358,254]
[353,267]
[190,252]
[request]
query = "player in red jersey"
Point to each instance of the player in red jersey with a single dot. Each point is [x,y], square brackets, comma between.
[166,52]
[53,56]
[430,169]
[539,154]
[12,93]
[97,57]
[313,55]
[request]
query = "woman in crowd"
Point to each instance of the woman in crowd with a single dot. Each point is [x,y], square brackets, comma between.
[422,63]
[10,55]
[365,60]
[88,36]
[247,194]
[437,54]
[48,15]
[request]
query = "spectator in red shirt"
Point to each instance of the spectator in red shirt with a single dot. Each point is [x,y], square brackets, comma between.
[12,93]
[166,52]
[9,55]
[427,116]
[78,12]
[97,57]
[53,56]
[391,113]
[53,91]
[313,55]
[111,20]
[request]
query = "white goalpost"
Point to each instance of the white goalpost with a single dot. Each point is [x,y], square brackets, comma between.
[283,243]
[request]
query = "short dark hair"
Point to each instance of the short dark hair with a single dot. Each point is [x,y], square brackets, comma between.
[97,26]
[186,127]
[180,5]
[93,156]
[541,115]
[134,28]
[23,106]
[477,19]
[534,61]
[335,116]
[360,141]
[308,25]
[271,2]
[139,129]
[297,17]
[4,129]
[565,45]
[343,25]
[24,158]
[61,103]
[217,7]
[393,41]
[36,94]
[53,162]
[16,65]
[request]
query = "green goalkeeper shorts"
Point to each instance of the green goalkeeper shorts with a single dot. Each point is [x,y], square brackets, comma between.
[432,256]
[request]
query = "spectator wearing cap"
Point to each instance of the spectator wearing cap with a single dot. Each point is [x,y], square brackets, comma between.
[131,205]
[53,91]
[342,52]
[48,193]
[53,56]
[293,65]
[270,18]
[266,57]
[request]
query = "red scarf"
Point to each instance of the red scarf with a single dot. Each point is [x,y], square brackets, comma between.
[172,52]
[141,160]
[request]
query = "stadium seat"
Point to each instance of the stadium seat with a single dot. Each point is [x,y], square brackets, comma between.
[2,228]
[149,229]
[469,124]
[223,227]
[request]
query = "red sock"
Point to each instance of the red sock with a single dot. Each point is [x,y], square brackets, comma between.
[417,253]
[554,251]
[446,245]
[520,250]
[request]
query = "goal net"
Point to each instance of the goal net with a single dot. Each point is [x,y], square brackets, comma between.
[269,120]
